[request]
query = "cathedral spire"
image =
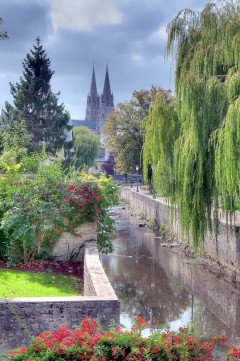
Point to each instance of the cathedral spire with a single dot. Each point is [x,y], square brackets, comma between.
[93,88]
[106,103]
[106,88]
[93,100]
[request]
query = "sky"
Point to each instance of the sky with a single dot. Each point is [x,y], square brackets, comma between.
[128,35]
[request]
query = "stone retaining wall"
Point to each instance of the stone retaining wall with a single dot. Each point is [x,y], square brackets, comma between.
[213,292]
[221,256]
[31,316]
[70,245]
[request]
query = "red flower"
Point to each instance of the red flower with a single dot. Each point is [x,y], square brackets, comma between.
[89,326]
[71,187]
[97,210]
[140,323]
[233,352]
[19,351]
[182,329]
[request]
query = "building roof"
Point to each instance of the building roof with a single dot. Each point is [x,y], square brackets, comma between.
[91,124]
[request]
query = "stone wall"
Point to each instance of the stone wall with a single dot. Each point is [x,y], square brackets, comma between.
[71,244]
[24,317]
[213,291]
[221,256]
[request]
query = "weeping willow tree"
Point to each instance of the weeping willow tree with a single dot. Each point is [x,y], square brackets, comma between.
[227,147]
[161,131]
[205,158]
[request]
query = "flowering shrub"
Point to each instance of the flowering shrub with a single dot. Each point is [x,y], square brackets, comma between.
[87,343]
[233,352]
[37,208]
[109,198]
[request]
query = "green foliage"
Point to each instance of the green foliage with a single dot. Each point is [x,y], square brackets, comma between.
[227,158]
[200,166]
[32,163]
[161,131]
[123,130]
[86,147]
[14,140]
[3,245]
[207,82]
[34,102]
[14,136]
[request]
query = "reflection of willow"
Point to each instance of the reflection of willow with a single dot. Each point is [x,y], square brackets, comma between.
[204,323]
[144,292]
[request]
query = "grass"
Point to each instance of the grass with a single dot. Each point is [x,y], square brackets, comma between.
[16,284]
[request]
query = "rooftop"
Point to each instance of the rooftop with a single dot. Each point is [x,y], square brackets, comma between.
[91,124]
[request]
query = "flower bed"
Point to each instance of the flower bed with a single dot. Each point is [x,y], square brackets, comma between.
[88,343]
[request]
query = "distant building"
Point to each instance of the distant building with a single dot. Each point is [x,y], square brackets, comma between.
[97,109]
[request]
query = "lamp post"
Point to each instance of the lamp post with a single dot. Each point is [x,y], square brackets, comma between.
[114,173]
[137,169]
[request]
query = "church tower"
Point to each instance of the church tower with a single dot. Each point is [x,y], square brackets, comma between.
[106,103]
[93,100]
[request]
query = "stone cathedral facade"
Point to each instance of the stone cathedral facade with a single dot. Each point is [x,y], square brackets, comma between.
[97,109]
[99,106]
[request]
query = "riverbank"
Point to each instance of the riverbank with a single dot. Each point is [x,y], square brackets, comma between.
[165,287]
[221,256]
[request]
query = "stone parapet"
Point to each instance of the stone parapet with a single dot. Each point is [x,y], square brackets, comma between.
[22,318]
[96,282]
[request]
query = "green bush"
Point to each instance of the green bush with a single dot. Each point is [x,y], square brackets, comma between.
[4,241]
[35,209]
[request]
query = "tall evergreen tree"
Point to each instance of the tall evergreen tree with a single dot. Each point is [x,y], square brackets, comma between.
[34,102]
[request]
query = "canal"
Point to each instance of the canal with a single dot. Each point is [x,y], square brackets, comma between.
[165,287]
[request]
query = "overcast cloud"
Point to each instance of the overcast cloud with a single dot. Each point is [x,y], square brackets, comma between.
[129,35]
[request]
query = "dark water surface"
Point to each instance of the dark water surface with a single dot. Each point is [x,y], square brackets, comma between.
[164,287]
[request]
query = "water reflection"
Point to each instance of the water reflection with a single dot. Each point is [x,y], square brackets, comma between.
[166,288]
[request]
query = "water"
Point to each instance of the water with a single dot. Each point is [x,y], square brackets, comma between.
[166,288]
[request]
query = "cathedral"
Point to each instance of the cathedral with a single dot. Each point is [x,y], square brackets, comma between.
[97,109]
[98,106]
